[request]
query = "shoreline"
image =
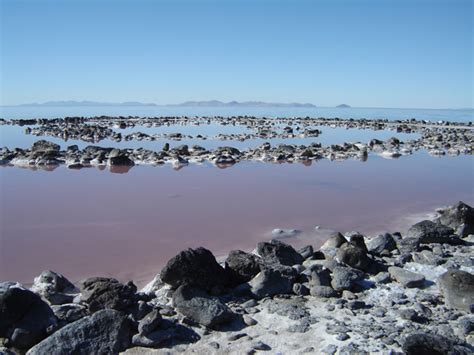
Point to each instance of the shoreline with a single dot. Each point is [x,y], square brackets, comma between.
[392,292]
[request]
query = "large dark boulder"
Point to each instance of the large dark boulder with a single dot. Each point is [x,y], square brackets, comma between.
[354,256]
[25,319]
[241,266]
[107,293]
[54,287]
[458,289]
[460,217]
[195,267]
[201,308]
[430,232]
[276,252]
[105,332]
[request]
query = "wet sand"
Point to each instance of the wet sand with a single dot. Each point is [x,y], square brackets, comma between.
[91,222]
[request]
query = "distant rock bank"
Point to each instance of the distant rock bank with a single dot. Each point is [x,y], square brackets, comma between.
[411,293]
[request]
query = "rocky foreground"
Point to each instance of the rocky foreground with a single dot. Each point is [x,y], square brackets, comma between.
[392,293]
[436,138]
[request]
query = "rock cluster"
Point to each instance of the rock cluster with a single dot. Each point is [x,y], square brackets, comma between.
[390,293]
[436,138]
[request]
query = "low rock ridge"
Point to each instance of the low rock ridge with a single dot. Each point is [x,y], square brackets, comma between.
[391,293]
[437,138]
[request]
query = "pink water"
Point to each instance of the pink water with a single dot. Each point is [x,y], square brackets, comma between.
[95,223]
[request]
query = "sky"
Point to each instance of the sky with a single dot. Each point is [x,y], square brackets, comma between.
[378,53]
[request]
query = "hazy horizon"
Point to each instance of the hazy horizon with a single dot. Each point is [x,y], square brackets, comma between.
[390,54]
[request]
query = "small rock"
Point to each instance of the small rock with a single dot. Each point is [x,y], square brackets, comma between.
[406,278]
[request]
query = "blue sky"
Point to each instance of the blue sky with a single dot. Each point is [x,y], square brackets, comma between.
[365,53]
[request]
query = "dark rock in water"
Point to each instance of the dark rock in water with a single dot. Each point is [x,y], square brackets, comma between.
[54,287]
[25,318]
[195,267]
[242,266]
[458,289]
[460,217]
[354,256]
[344,278]
[306,252]
[105,332]
[121,160]
[44,146]
[279,253]
[406,278]
[200,307]
[107,293]
[380,243]
[272,281]
[426,344]
[429,232]
[168,335]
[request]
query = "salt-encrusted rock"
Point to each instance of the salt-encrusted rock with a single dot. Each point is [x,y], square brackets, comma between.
[354,256]
[107,293]
[430,232]
[105,332]
[150,322]
[54,287]
[460,217]
[25,318]
[344,278]
[380,243]
[195,267]
[242,266]
[200,307]
[272,281]
[44,146]
[458,289]
[425,344]
[279,253]
[406,278]
[427,257]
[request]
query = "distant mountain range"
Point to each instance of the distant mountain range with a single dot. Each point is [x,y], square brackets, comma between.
[88,103]
[343,106]
[210,103]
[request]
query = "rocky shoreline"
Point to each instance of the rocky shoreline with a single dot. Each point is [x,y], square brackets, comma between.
[437,139]
[391,293]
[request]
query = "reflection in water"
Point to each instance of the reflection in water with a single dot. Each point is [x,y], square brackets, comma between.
[88,222]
